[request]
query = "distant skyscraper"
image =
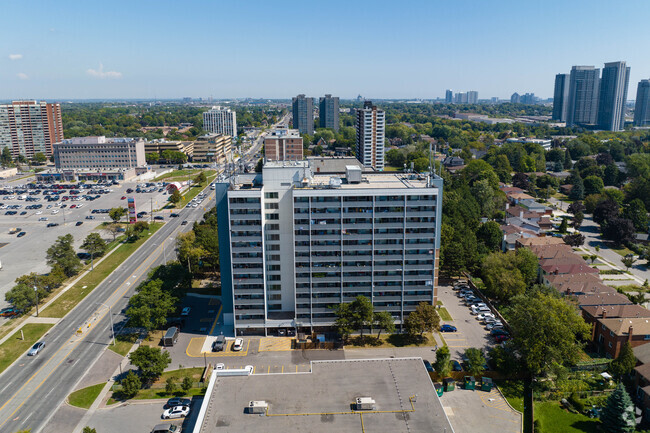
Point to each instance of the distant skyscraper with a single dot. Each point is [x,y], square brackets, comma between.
[220,120]
[642,104]
[449,96]
[30,127]
[328,112]
[371,123]
[528,98]
[560,97]
[460,98]
[582,105]
[472,97]
[515,98]
[613,95]
[303,114]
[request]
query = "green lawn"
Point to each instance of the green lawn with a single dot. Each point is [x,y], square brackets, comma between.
[196,189]
[178,174]
[513,391]
[11,349]
[622,252]
[157,392]
[123,344]
[85,397]
[87,284]
[444,314]
[557,420]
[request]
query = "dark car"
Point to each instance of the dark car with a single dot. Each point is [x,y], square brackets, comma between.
[184,223]
[500,338]
[428,366]
[455,366]
[177,401]
[79,223]
[21,234]
[448,328]
[173,215]
[129,190]
[219,344]
[159,218]
[498,331]
[23,213]
[52,224]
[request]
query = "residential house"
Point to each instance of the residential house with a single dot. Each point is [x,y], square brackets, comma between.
[611,334]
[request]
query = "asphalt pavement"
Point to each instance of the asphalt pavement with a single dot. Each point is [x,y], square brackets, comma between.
[34,387]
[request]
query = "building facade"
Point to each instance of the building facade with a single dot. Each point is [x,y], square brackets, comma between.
[99,153]
[560,97]
[328,112]
[220,120]
[283,145]
[159,146]
[294,244]
[612,96]
[30,127]
[371,131]
[214,148]
[642,104]
[515,98]
[303,114]
[460,98]
[472,97]
[584,84]
[449,96]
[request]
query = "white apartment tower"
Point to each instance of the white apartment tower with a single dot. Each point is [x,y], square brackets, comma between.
[371,127]
[220,120]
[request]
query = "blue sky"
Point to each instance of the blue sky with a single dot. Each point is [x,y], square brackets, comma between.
[382,49]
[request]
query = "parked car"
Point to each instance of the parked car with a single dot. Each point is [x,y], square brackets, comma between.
[455,366]
[177,401]
[428,366]
[78,223]
[484,316]
[448,328]
[9,312]
[238,345]
[52,224]
[494,325]
[501,338]
[499,331]
[21,234]
[176,412]
[36,349]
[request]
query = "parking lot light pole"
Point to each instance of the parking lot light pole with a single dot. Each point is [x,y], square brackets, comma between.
[110,315]
[36,293]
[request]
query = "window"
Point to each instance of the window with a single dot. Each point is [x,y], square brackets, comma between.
[273,226]
[272,267]
[611,334]
[610,344]
[276,297]
[272,216]
[270,195]
[271,206]
[275,287]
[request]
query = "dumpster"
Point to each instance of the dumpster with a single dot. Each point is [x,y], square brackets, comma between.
[449,384]
[439,389]
[470,382]
[486,384]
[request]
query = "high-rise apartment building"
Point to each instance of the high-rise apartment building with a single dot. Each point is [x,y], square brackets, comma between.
[584,83]
[461,98]
[283,145]
[294,243]
[449,96]
[515,98]
[303,114]
[612,96]
[30,127]
[328,112]
[99,153]
[642,104]
[528,98]
[560,97]
[371,130]
[472,97]
[220,120]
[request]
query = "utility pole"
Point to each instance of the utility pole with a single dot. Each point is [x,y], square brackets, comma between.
[110,315]
[36,293]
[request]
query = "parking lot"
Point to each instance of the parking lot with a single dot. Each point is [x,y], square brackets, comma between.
[25,254]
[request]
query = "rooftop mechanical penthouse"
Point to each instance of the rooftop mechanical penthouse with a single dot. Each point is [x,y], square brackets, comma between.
[293,243]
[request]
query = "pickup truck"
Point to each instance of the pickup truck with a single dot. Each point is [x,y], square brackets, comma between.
[14,230]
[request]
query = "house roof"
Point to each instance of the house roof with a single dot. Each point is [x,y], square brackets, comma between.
[552,250]
[540,241]
[557,267]
[643,370]
[518,211]
[617,311]
[561,260]
[583,287]
[518,196]
[621,326]
[511,189]
[561,279]
[601,299]
[642,353]
[512,229]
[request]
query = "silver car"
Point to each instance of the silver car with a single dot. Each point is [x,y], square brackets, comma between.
[36,349]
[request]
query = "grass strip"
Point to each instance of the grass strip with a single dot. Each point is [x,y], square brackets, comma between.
[85,397]
[556,419]
[68,300]
[123,344]
[157,390]
[11,349]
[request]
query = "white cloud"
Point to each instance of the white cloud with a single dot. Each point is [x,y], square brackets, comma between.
[15,56]
[100,73]
[22,76]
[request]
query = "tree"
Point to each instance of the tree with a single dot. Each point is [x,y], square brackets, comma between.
[151,361]
[545,330]
[343,321]
[490,236]
[152,157]
[574,240]
[576,207]
[187,383]
[39,158]
[619,230]
[94,245]
[425,318]
[568,163]
[150,307]
[5,157]
[443,362]
[189,252]
[259,165]
[628,261]
[62,254]
[611,175]
[395,158]
[637,213]
[131,384]
[484,194]
[362,313]
[383,321]
[564,225]
[578,190]
[578,218]
[175,197]
[520,180]
[200,178]
[88,429]
[618,414]
[113,229]
[624,362]
[593,185]
[605,211]
[170,385]
[507,275]
[139,228]
[21,296]
[117,213]
[475,361]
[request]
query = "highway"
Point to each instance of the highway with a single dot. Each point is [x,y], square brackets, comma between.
[33,387]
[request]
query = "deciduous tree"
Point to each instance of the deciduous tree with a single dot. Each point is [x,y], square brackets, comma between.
[62,254]
[475,361]
[443,362]
[151,361]
[150,306]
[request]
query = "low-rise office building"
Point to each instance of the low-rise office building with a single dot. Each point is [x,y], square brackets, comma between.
[159,146]
[214,148]
[99,153]
[283,145]
[294,243]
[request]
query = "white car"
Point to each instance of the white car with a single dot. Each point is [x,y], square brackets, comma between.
[39,212]
[238,345]
[80,205]
[55,211]
[176,412]
[484,316]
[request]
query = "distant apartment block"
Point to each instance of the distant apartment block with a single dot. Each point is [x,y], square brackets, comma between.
[220,120]
[515,98]
[294,243]
[460,98]
[303,114]
[99,153]
[449,96]
[371,130]
[584,86]
[472,97]
[283,145]
[30,127]
[328,112]
[560,97]
[214,148]
[612,96]
[642,105]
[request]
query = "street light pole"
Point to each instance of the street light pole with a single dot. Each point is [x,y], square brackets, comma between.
[110,315]
[36,293]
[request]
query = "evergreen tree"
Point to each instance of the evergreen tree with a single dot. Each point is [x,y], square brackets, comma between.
[618,413]
[568,163]
[578,190]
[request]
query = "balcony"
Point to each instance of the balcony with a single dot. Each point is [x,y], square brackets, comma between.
[419,298]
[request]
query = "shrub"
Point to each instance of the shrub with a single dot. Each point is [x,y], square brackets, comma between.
[537,426]
[575,400]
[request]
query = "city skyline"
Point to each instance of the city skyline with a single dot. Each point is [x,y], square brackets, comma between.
[144,59]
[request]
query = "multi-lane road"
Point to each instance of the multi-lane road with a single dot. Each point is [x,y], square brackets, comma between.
[33,387]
